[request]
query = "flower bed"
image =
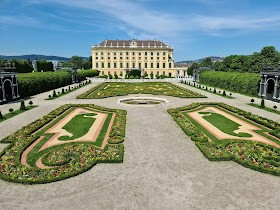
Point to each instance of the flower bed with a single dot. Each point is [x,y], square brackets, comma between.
[112,89]
[62,161]
[257,156]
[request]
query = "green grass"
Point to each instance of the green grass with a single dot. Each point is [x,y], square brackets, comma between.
[14,113]
[78,126]
[265,108]
[103,131]
[112,89]
[224,124]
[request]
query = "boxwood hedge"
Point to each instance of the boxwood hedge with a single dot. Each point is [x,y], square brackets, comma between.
[245,83]
[39,82]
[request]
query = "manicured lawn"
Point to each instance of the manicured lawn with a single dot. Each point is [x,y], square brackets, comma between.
[112,89]
[224,124]
[251,154]
[265,108]
[78,126]
[14,113]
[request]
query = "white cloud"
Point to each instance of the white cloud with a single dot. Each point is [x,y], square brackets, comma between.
[18,20]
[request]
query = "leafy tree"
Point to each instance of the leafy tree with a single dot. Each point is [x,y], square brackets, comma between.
[192,67]
[207,62]
[77,61]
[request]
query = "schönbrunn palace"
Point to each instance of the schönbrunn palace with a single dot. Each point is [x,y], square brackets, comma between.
[117,57]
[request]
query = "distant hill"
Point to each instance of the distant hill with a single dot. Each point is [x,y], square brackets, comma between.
[213,58]
[35,57]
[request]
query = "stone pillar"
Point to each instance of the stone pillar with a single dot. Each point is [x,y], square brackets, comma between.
[13,87]
[3,89]
[261,86]
[265,86]
[275,93]
[17,87]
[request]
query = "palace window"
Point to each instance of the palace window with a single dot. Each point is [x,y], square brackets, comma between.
[170,65]
[96,58]
[127,58]
[133,65]
[115,53]
[102,58]
[109,58]
[115,58]
[127,65]
[96,53]
[102,65]
[152,65]
[164,53]
[146,53]
[152,58]
[163,65]
[157,58]
[109,65]
[96,65]
[120,53]
[126,53]
[157,65]
[152,53]
[139,58]
[121,65]
[139,53]
[146,58]
[157,53]
[115,65]
[163,58]
[133,53]
[139,65]
[163,73]
[146,65]
[120,58]
[102,72]
[108,53]
[101,53]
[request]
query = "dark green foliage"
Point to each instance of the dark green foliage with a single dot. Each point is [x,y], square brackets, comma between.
[262,104]
[30,103]
[11,110]
[62,91]
[44,66]
[82,75]
[224,93]
[22,106]
[23,66]
[274,107]
[245,83]
[268,57]
[215,90]
[252,100]
[1,116]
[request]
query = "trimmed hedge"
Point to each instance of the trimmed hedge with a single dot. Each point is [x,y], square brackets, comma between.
[66,160]
[39,82]
[254,155]
[244,83]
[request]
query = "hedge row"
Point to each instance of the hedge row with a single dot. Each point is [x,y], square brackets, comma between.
[257,156]
[39,82]
[77,157]
[244,83]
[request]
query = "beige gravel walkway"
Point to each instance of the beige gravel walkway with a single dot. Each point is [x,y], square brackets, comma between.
[162,168]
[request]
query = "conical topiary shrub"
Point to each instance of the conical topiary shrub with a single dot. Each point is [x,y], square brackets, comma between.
[262,104]
[54,94]
[1,116]
[22,106]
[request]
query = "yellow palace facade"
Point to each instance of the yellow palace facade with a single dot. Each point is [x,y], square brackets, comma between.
[118,57]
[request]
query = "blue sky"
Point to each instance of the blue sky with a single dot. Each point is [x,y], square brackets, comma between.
[196,28]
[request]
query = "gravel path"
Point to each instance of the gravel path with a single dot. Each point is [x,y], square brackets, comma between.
[162,169]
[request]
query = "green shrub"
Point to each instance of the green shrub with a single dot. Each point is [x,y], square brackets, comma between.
[87,73]
[131,77]
[11,110]
[22,106]
[30,103]
[39,82]
[245,83]
[252,100]
[262,104]
[54,94]
[224,93]
[1,116]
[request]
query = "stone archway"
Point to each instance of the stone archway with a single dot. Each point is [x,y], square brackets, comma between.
[8,92]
